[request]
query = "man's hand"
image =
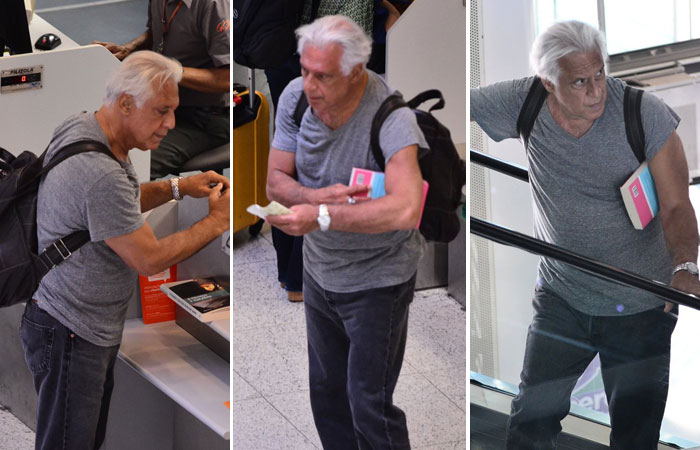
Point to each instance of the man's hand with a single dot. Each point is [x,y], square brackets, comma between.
[302,220]
[201,185]
[219,206]
[119,51]
[686,282]
[338,193]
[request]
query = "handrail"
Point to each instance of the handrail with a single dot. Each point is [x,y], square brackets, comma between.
[499,165]
[512,238]
[508,237]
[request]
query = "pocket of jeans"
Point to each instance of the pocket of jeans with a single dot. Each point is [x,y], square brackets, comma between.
[37,341]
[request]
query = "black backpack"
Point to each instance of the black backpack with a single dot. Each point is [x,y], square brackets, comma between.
[441,166]
[21,265]
[263,31]
[632,109]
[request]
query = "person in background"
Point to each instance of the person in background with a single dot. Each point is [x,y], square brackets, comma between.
[196,33]
[72,329]
[578,157]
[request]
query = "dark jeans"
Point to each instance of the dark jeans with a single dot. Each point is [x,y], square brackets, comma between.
[196,130]
[634,357]
[73,379]
[290,261]
[356,345]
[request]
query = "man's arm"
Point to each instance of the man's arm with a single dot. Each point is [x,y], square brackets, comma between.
[283,187]
[670,172]
[142,42]
[156,193]
[214,80]
[146,254]
[398,209]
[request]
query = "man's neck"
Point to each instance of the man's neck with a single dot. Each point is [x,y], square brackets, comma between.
[576,127]
[337,116]
[107,123]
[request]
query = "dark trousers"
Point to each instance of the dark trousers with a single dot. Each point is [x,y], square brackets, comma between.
[634,356]
[356,345]
[196,130]
[290,266]
[73,379]
[290,260]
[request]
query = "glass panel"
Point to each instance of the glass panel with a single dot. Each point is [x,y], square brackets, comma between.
[634,24]
[550,11]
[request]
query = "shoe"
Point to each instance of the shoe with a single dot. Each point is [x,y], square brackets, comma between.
[283,285]
[295,296]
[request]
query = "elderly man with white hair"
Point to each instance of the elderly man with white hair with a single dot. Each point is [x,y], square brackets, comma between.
[72,328]
[579,156]
[360,257]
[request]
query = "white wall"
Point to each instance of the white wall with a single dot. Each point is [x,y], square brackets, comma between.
[508,28]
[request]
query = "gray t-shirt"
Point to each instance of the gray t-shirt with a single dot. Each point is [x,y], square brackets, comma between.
[341,261]
[198,36]
[88,292]
[577,202]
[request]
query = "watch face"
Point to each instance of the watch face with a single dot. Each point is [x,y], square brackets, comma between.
[324,221]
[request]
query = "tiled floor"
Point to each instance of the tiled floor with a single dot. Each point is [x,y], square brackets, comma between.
[270,394]
[14,435]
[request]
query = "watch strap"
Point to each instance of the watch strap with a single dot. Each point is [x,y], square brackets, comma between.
[687,266]
[175,186]
[324,218]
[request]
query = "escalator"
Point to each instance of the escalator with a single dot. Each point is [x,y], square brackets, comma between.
[490,399]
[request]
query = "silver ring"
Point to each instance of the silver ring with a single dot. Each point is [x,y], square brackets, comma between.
[351,200]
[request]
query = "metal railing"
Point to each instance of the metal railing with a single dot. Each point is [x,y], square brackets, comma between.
[512,238]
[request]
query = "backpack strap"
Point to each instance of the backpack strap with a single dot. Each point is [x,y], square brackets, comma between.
[389,105]
[62,249]
[300,109]
[530,109]
[424,96]
[633,121]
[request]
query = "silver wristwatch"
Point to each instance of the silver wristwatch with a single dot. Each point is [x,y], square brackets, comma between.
[690,267]
[175,186]
[324,219]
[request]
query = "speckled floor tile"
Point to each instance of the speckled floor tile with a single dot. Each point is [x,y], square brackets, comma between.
[242,390]
[432,418]
[263,312]
[257,425]
[249,250]
[272,360]
[256,280]
[437,333]
[14,435]
[296,407]
[451,382]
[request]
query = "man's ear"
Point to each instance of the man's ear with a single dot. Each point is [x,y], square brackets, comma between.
[125,103]
[548,85]
[356,72]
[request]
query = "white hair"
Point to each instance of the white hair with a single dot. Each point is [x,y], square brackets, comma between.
[561,39]
[138,74]
[341,30]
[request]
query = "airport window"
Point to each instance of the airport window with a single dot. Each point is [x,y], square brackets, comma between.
[629,24]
